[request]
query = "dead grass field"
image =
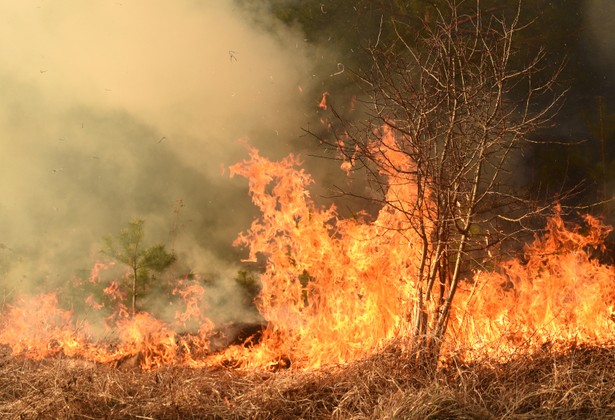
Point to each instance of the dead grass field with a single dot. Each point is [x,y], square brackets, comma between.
[578,382]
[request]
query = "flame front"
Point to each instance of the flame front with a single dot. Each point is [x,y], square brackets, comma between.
[333,290]
[336,289]
[557,293]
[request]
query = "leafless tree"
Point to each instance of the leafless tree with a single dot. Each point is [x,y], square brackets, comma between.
[449,110]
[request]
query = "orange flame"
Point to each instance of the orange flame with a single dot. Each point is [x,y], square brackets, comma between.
[557,293]
[323,101]
[37,327]
[336,289]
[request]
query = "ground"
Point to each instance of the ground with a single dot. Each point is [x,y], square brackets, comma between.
[576,382]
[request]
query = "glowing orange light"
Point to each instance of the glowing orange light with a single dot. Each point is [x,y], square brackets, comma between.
[323,101]
[336,289]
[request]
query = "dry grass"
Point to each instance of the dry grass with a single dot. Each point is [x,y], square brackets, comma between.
[576,383]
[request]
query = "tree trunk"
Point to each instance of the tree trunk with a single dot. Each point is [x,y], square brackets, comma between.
[134,292]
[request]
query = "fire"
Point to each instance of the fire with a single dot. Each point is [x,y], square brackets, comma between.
[557,293]
[337,289]
[323,101]
[37,327]
[333,289]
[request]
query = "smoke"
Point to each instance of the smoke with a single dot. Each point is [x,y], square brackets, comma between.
[600,21]
[599,49]
[133,109]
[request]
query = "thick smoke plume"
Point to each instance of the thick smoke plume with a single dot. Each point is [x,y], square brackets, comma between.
[112,111]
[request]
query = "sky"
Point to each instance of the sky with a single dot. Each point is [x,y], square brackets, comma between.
[116,110]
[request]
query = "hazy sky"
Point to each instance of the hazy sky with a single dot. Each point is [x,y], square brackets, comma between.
[111,110]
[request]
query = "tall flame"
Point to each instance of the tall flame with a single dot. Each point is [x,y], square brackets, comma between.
[555,293]
[337,289]
[333,289]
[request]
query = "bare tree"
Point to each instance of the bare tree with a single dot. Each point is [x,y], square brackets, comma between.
[448,113]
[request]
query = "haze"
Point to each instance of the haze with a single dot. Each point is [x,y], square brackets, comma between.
[118,110]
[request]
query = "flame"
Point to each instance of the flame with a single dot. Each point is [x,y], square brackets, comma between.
[38,327]
[323,101]
[556,293]
[333,289]
[336,289]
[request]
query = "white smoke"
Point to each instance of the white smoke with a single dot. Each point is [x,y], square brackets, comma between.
[114,110]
